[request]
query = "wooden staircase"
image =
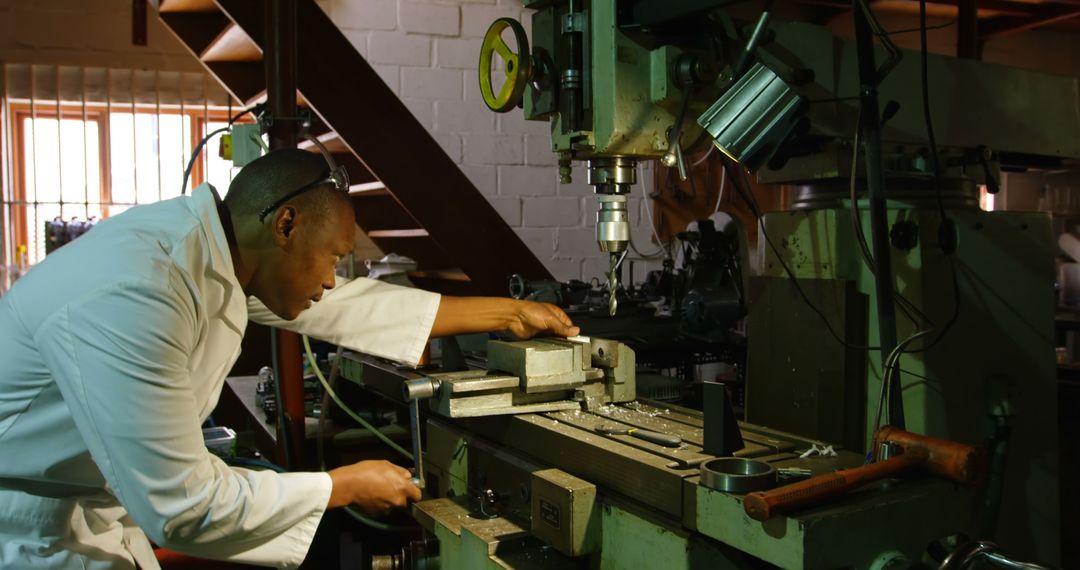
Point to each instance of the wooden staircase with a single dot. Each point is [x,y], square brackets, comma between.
[409,196]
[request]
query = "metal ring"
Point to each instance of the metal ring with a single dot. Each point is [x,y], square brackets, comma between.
[737,475]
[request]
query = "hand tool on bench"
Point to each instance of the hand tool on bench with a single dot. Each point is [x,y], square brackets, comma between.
[946,459]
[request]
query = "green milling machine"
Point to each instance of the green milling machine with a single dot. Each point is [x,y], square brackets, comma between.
[519,471]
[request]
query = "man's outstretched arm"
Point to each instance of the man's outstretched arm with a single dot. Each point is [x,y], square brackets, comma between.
[525,319]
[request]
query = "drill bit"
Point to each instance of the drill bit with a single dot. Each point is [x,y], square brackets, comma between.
[613,283]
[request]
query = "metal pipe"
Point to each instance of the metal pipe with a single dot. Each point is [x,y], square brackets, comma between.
[968,45]
[280,66]
[870,124]
[280,61]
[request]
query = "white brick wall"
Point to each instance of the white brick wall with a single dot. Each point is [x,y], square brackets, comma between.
[427,52]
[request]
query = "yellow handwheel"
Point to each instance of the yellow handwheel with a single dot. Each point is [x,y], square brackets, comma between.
[518,66]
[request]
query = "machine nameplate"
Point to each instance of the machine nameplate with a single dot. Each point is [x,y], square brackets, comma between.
[549,513]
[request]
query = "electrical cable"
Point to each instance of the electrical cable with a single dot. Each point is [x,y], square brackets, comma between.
[205,139]
[947,229]
[720,193]
[909,30]
[250,463]
[661,246]
[907,307]
[894,53]
[320,428]
[888,372]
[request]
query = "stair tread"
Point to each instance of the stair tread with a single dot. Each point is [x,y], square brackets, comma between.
[454,274]
[330,140]
[403,233]
[196,30]
[368,189]
[232,45]
[167,6]
[260,97]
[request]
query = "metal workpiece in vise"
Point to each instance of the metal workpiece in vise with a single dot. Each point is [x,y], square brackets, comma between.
[531,376]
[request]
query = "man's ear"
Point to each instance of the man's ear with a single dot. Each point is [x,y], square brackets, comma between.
[284,225]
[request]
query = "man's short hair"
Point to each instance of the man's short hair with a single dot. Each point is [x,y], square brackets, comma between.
[271,176]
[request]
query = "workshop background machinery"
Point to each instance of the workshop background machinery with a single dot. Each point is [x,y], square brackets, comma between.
[620,81]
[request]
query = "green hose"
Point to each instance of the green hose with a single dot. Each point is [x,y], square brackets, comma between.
[348,410]
[377,525]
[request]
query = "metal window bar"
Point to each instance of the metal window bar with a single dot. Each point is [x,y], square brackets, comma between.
[86,145]
[5,190]
[107,160]
[59,141]
[134,139]
[205,128]
[32,219]
[157,126]
[23,207]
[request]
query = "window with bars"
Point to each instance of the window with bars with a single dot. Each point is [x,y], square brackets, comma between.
[90,153]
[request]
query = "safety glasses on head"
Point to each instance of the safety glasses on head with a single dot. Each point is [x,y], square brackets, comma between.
[334,174]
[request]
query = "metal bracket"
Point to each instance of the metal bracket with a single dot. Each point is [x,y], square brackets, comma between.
[573,22]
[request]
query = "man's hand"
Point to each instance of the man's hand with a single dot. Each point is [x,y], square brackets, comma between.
[534,318]
[525,319]
[377,487]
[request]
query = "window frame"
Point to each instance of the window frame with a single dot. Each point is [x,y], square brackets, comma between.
[18,207]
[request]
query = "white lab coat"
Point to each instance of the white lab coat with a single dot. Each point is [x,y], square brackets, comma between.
[113,352]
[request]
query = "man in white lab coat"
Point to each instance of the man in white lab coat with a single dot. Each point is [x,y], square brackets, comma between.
[113,352]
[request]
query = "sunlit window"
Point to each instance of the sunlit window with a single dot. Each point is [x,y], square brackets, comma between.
[96,164]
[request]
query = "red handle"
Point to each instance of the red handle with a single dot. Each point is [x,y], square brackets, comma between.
[763,505]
